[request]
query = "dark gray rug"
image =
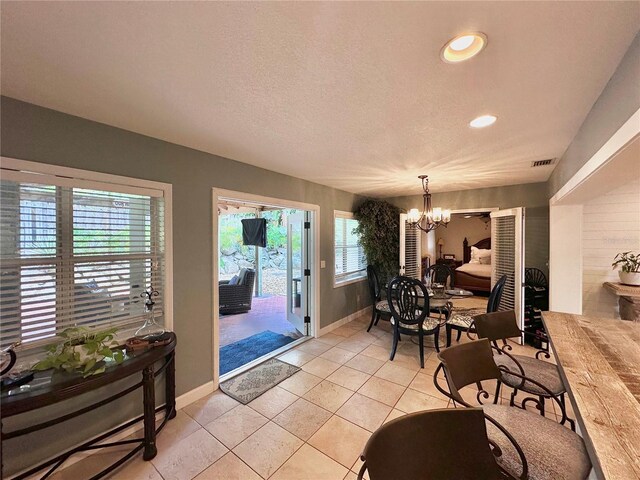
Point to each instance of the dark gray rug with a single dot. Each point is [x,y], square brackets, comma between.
[253,383]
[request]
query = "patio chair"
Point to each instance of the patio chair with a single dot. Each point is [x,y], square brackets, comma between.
[237,297]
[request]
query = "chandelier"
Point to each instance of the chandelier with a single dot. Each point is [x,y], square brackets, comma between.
[430,218]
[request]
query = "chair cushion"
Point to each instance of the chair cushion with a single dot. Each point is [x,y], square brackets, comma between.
[462,317]
[429,324]
[383,306]
[542,372]
[241,275]
[234,280]
[553,451]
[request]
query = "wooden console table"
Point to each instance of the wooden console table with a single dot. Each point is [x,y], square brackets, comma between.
[48,388]
[628,300]
[599,362]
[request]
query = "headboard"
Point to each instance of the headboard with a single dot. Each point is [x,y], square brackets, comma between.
[485,243]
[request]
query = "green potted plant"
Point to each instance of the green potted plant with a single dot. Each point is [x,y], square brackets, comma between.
[629,264]
[82,349]
[379,230]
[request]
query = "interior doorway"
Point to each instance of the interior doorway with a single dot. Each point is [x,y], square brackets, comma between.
[264,253]
[468,233]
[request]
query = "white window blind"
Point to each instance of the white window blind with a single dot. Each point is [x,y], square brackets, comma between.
[350,260]
[507,258]
[410,249]
[503,258]
[76,253]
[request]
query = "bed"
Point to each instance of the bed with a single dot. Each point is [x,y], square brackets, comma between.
[472,276]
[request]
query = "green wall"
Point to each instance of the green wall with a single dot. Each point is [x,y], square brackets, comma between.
[33,133]
[532,196]
[29,132]
[618,101]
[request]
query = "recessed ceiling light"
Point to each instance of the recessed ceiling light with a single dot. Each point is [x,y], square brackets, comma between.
[483,121]
[463,47]
[461,43]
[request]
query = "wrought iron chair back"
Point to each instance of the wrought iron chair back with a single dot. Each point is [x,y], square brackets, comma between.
[496,326]
[535,277]
[408,301]
[496,295]
[374,284]
[439,273]
[397,449]
[466,364]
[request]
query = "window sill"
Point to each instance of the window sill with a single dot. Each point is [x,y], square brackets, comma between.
[348,281]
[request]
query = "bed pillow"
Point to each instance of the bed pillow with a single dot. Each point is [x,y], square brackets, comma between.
[485,260]
[478,253]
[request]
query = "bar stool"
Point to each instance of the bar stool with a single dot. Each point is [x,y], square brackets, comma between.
[553,452]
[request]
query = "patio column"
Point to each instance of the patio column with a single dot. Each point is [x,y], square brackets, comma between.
[258,291]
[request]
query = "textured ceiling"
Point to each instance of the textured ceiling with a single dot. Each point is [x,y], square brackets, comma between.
[351,95]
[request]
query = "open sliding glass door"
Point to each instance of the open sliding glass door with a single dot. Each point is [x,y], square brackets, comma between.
[298,271]
[507,258]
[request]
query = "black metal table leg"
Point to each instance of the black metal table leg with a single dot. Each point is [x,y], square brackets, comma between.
[149,400]
[170,385]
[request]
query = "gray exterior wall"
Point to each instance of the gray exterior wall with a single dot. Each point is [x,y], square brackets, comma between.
[532,196]
[617,102]
[29,132]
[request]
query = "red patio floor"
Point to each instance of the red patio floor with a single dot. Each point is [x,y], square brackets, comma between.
[267,313]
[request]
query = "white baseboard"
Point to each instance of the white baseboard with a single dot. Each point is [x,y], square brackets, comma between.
[343,321]
[181,402]
[194,395]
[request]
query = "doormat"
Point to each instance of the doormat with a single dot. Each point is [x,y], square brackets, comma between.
[243,351]
[250,385]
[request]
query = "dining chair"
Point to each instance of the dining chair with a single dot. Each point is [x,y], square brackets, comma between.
[461,318]
[409,305]
[379,306]
[443,275]
[423,445]
[440,273]
[536,288]
[498,327]
[552,451]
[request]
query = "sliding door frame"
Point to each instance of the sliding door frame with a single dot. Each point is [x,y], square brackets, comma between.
[314,262]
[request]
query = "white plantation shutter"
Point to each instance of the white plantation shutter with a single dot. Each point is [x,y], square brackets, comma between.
[507,258]
[76,255]
[410,249]
[350,260]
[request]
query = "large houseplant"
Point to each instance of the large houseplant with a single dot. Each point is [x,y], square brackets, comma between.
[379,230]
[629,264]
[82,349]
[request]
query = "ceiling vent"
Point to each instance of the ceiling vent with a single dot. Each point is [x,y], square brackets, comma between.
[543,163]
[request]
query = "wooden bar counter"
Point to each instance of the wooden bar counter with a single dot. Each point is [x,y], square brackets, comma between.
[599,361]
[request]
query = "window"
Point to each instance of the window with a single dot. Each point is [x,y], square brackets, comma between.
[350,260]
[75,252]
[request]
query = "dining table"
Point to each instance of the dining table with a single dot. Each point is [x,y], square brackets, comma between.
[440,298]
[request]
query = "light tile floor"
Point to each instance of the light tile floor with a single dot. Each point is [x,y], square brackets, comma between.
[313,425]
